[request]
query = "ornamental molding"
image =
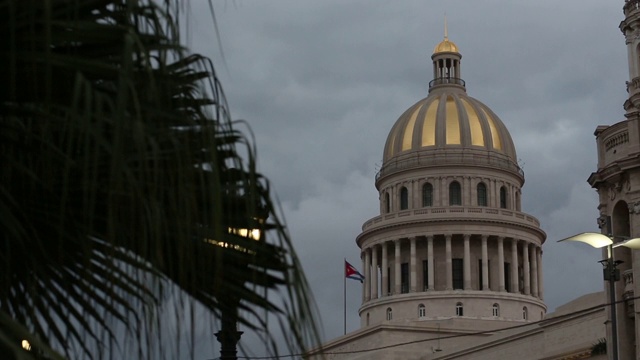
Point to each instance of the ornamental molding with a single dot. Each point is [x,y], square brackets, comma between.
[617,185]
[634,208]
[602,221]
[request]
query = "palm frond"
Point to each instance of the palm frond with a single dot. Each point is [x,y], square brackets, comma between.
[121,172]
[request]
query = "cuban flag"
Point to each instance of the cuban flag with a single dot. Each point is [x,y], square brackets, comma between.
[351,272]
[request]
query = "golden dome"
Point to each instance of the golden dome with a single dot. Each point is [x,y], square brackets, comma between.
[446,46]
[450,120]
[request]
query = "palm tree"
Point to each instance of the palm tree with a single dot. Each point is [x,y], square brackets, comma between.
[122,177]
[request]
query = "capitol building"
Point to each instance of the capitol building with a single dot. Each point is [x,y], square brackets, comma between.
[452,263]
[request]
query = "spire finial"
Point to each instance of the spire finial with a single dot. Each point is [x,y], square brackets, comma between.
[446,32]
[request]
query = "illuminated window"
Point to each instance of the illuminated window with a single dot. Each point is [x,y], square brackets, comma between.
[427,195]
[422,311]
[482,194]
[404,198]
[455,193]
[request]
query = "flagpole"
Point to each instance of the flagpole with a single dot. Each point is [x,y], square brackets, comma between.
[344,295]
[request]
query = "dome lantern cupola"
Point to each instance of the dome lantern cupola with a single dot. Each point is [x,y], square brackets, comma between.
[446,63]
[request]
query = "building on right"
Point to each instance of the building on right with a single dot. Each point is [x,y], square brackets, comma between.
[617,181]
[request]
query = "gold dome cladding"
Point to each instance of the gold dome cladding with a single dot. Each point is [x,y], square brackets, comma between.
[449,120]
[453,122]
[477,137]
[446,46]
[429,125]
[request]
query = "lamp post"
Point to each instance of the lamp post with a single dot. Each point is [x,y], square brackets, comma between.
[611,272]
[229,336]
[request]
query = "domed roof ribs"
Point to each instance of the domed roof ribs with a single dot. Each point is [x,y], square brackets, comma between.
[440,121]
[464,120]
[476,124]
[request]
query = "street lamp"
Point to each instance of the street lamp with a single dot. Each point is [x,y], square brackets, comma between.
[610,271]
[229,335]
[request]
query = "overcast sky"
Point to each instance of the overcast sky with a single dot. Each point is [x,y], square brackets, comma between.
[322,83]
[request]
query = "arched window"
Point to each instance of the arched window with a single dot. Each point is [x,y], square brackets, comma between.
[525,313]
[482,194]
[455,193]
[367,319]
[427,195]
[404,198]
[459,309]
[422,311]
[496,310]
[387,203]
[389,314]
[503,197]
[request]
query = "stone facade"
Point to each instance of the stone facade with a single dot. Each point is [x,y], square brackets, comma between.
[617,181]
[567,334]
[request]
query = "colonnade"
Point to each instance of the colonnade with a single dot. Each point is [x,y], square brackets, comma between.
[524,260]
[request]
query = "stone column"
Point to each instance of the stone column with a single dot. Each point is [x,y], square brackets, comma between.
[374,271]
[466,191]
[385,265]
[540,282]
[448,270]
[364,283]
[396,274]
[501,285]
[444,193]
[430,265]
[415,196]
[485,264]
[526,269]
[494,196]
[367,274]
[514,266]
[467,263]
[534,270]
[412,266]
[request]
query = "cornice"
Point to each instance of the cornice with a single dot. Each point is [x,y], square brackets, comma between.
[475,221]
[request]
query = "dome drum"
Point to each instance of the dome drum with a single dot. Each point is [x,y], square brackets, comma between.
[452,157]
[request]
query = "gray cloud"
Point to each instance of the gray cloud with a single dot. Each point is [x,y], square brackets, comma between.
[323,82]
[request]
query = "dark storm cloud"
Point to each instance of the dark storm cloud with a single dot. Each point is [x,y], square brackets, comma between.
[322,82]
